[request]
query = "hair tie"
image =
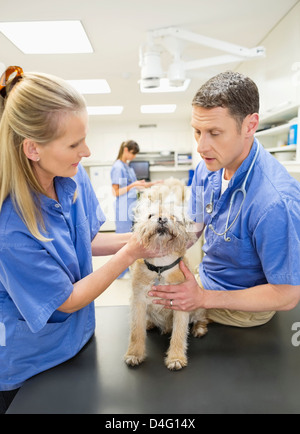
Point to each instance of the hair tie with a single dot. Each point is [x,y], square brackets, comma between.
[9,78]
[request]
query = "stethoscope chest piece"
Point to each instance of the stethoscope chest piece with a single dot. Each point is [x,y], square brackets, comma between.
[209,208]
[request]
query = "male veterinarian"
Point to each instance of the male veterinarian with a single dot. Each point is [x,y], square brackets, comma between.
[250,208]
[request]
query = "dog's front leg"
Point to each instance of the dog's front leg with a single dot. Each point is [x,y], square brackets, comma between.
[136,352]
[176,356]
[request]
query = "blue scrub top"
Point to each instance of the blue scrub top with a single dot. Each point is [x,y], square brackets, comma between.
[124,175]
[37,277]
[265,239]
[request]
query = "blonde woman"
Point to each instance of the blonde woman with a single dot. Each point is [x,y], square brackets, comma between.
[49,223]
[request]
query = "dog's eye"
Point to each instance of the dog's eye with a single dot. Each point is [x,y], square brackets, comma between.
[150,215]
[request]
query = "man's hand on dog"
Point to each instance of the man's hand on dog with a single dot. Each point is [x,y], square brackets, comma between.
[186,296]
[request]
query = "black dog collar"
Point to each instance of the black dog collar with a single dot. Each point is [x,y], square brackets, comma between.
[160,270]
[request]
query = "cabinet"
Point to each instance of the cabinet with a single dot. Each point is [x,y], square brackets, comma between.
[167,161]
[166,164]
[100,179]
[273,134]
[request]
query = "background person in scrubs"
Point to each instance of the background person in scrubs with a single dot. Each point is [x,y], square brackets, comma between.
[49,223]
[253,269]
[125,186]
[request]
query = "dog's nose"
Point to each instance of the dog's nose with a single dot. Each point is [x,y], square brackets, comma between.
[162,220]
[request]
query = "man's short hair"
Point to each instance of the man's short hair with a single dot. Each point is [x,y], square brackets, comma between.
[231,90]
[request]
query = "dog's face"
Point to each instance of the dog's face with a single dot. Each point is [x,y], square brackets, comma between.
[163,227]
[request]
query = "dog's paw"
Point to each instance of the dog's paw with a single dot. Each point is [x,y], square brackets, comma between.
[175,364]
[199,329]
[133,360]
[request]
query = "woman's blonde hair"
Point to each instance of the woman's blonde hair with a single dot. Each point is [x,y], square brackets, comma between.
[35,109]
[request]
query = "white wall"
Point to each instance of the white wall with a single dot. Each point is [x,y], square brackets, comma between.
[273,74]
[104,139]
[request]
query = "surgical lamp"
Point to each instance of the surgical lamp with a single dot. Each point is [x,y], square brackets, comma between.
[150,56]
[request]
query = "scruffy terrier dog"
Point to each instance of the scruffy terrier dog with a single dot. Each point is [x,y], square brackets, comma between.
[160,224]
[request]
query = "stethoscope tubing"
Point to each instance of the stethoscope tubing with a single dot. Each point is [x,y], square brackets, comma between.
[242,189]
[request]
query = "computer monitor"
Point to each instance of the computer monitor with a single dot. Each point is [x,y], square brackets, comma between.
[142,169]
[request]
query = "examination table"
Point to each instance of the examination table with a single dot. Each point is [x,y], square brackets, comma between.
[230,370]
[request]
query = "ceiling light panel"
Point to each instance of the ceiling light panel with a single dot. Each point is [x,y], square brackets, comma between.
[86,87]
[104,110]
[161,108]
[47,37]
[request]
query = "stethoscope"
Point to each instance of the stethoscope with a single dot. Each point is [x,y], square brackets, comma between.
[210,207]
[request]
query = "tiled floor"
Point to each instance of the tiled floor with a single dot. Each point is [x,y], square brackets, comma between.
[118,293]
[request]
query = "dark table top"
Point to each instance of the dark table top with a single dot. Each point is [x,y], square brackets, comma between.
[230,370]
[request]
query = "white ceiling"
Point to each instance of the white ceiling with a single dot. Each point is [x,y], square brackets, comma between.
[116,29]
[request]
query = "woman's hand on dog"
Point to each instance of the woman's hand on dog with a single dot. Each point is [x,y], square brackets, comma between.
[136,250]
[186,296]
